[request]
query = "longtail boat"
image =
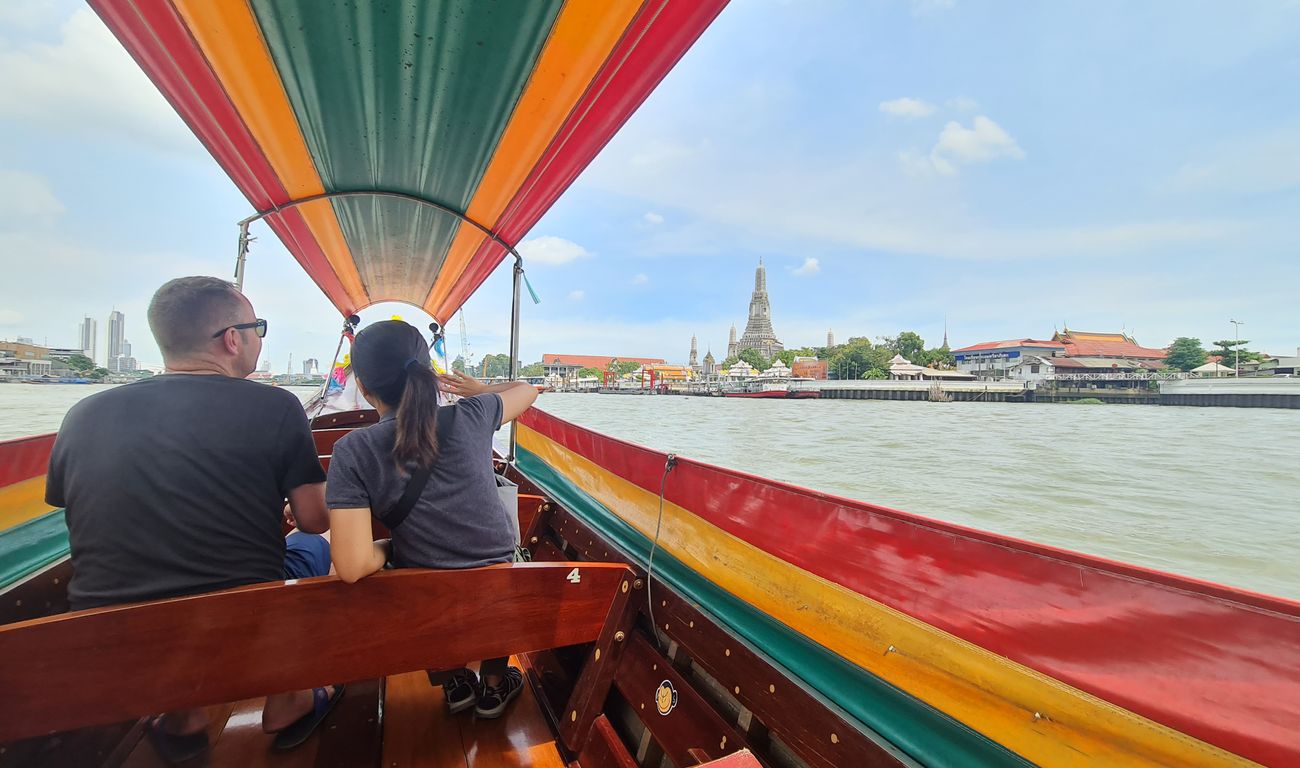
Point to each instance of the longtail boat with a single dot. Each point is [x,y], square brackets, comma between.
[675,613]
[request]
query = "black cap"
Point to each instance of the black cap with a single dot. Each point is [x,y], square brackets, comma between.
[381,354]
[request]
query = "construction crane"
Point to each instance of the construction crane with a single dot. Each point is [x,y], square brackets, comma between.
[464,345]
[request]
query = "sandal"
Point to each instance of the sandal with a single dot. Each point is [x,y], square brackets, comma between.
[176,748]
[299,730]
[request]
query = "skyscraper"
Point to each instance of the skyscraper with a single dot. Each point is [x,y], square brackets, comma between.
[88,331]
[116,333]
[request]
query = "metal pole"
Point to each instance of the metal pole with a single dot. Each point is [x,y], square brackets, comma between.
[514,345]
[1236,336]
[243,253]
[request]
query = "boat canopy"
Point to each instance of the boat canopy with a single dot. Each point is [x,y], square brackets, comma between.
[470,118]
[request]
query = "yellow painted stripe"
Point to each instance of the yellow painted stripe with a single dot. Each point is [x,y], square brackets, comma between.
[582,38]
[22,501]
[231,41]
[1032,714]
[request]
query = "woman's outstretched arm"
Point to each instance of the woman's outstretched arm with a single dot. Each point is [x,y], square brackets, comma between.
[516,396]
[352,546]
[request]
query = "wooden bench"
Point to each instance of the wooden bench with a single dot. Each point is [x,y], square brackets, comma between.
[112,664]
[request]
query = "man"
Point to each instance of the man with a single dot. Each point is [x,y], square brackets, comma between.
[176,485]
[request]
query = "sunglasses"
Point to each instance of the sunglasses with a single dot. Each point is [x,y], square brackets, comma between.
[258,326]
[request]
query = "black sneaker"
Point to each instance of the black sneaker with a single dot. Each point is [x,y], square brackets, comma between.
[461,691]
[494,699]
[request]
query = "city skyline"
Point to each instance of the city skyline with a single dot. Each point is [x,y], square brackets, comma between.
[1111,177]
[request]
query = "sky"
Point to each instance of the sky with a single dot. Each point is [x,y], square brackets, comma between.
[1006,168]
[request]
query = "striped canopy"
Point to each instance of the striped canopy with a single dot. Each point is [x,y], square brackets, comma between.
[487,108]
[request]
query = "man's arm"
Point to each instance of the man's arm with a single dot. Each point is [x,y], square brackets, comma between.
[307,502]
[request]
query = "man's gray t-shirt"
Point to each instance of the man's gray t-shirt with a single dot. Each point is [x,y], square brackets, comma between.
[459,520]
[175,485]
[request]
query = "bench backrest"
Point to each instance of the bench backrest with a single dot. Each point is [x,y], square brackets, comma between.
[110,664]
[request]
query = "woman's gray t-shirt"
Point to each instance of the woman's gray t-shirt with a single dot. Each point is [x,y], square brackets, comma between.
[459,520]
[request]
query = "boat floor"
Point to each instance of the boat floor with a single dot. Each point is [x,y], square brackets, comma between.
[402,723]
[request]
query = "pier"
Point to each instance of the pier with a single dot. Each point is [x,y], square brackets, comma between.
[948,391]
[1271,392]
[1261,392]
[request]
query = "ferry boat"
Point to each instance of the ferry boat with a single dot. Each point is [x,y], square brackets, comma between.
[770,388]
[675,612]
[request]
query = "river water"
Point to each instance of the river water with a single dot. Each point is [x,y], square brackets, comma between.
[1212,493]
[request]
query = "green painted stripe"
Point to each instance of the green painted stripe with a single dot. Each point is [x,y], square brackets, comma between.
[915,728]
[31,546]
[406,96]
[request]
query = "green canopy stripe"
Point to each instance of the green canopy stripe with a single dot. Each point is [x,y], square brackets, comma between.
[404,96]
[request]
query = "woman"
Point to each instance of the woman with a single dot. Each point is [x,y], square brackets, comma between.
[457,519]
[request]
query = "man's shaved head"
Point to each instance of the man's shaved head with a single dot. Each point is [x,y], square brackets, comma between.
[185,312]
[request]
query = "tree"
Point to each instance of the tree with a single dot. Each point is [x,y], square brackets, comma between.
[533,369]
[458,364]
[1230,351]
[98,374]
[624,368]
[80,363]
[908,344]
[875,373]
[787,357]
[939,357]
[1185,354]
[730,361]
[589,373]
[755,358]
[495,366]
[856,357]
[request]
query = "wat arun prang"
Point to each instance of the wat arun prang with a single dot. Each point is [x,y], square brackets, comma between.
[758,331]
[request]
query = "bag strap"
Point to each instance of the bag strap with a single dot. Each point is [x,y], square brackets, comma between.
[414,487]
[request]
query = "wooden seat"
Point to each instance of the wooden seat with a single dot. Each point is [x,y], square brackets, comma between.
[112,664]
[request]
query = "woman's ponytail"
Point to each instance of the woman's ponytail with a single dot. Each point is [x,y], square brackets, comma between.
[417,418]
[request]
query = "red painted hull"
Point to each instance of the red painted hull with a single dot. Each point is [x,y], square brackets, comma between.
[777,395]
[1214,662]
[764,395]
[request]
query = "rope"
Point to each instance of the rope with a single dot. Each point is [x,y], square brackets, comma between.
[654,545]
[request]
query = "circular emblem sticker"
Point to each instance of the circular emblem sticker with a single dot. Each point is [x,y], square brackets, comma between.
[665,697]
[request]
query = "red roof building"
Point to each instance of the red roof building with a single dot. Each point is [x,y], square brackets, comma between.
[567,365]
[1081,344]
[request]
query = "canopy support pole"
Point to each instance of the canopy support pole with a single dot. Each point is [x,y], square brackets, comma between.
[242,256]
[514,344]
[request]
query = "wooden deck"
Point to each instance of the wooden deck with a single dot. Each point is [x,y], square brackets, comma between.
[402,723]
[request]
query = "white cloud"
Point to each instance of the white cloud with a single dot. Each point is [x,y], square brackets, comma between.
[86,83]
[810,267]
[10,317]
[27,198]
[962,104]
[641,279]
[577,295]
[654,218]
[984,141]
[907,108]
[551,250]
